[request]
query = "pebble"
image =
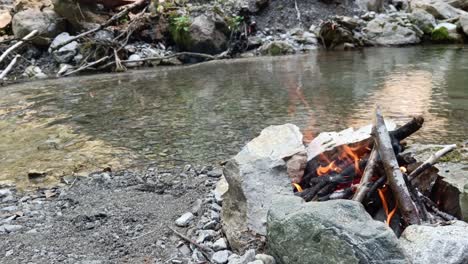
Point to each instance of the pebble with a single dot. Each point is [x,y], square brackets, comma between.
[267,259]
[221,257]
[214,215]
[9,208]
[216,173]
[256,262]
[248,256]
[220,244]
[204,235]
[210,225]
[184,220]
[215,207]
[185,250]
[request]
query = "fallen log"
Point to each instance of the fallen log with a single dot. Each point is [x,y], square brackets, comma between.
[408,129]
[365,185]
[392,170]
[18,44]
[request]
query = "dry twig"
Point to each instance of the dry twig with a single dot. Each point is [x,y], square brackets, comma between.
[9,67]
[18,44]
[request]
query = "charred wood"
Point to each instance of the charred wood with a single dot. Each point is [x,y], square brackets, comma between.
[431,205]
[408,129]
[392,170]
[365,184]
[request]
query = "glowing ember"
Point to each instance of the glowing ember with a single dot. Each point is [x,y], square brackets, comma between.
[388,213]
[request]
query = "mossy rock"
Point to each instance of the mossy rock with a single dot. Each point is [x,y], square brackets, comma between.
[442,35]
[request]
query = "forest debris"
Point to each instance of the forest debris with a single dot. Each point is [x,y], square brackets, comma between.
[18,44]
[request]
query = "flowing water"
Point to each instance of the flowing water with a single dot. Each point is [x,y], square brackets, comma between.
[206,113]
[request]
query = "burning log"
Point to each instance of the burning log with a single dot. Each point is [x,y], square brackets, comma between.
[364,185]
[392,170]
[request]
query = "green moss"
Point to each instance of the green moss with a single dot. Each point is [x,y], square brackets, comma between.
[179,26]
[440,34]
[454,156]
[275,50]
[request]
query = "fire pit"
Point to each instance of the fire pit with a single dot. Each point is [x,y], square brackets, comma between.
[361,175]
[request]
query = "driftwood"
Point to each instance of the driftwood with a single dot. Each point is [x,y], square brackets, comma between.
[408,129]
[111,20]
[392,170]
[431,161]
[18,44]
[9,67]
[365,185]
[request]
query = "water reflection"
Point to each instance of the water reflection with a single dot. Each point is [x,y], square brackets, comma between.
[206,113]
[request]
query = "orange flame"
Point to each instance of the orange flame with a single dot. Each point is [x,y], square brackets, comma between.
[298,187]
[350,153]
[385,206]
[322,170]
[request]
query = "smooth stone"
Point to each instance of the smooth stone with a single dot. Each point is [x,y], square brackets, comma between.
[220,244]
[221,257]
[267,259]
[185,219]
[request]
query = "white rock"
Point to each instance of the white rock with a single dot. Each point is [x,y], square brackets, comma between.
[220,244]
[184,220]
[133,61]
[10,228]
[256,262]
[267,259]
[221,257]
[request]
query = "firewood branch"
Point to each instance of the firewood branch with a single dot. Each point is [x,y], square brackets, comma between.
[9,67]
[431,161]
[18,44]
[364,185]
[392,170]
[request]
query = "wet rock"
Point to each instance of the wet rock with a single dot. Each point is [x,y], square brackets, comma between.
[254,175]
[267,259]
[436,244]
[184,220]
[333,35]
[66,53]
[423,20]
[276,48]
[338,231]
[220,244]
[46,22]
[10,228]
[446,33]
[221,257]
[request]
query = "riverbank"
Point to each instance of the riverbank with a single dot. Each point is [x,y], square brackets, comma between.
[106,217]
[136,34]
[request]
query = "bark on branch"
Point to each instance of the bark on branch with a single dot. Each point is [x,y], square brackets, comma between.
[392,170]
[431,161]
[18,44]
[364,185]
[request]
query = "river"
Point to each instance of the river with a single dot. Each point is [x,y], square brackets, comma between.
[205,113]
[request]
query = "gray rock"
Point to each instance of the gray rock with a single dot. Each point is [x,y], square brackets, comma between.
[254,175]
[66,53]
[276,48]
[256,262]
[10,228]
[210,225]
[220,244]
[440,9]
[221,257]
[184,220]
[46,22]
[464,23]
[248,256]
[196,207]
[6,195]
[387,31]
[79,16]
[205,235]
[34,72]
[436,244]
[216,173]
[338,231]
[423,20]
[446,33]
[370,5]
[207,34]
[267,259]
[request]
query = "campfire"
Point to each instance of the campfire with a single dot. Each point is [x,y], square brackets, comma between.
[393,187]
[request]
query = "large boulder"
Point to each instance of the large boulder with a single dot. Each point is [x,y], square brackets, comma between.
[446,244]
[371,5]
[392,30]
[46,22]
[21,5]
[440,9]
[335,231]
[423,20]
[275,48]
[254,175]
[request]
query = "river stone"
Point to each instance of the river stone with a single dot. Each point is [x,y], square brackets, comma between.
[207,34]
[66,53]
[440,9]
[386,30]
[436,244]
[335,231]
[254,175]
[276,48]
[221,257]
[83,16]
[46,22]
[184,220]
[452,171]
